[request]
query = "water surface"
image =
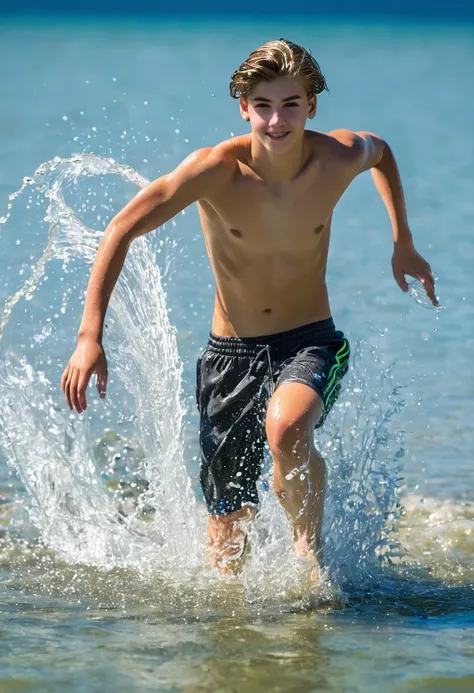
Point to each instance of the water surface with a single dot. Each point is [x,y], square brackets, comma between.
[103,580]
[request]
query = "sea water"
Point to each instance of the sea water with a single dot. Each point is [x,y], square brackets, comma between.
[104,581]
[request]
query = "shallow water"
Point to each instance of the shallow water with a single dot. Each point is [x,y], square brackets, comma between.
[101,557]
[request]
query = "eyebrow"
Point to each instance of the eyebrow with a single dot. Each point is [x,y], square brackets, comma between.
[288,98]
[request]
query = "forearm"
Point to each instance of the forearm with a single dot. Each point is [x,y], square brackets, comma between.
[388,183]
[106,269]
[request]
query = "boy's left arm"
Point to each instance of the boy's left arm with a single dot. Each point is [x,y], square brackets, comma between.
[378,157]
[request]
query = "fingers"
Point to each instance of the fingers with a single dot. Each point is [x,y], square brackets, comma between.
[65,381]
[401,281]
[430,290]
[73,393]
[428,282]
[102,383]
[74,385]
[82,383]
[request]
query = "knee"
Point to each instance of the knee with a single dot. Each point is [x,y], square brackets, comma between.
[287,438]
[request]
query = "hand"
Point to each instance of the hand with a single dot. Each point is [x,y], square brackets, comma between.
[406,260]
[88,358]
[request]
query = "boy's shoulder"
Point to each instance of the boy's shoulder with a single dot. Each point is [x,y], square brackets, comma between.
[220,158]
[225,152]
[342,143]
[346,151]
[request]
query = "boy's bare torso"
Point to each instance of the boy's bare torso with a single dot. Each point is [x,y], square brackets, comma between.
[268,242]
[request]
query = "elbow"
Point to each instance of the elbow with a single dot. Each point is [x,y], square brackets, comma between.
[119,234]
[369,150]
[380,152]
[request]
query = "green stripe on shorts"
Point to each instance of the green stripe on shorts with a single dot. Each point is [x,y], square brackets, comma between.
[342,356]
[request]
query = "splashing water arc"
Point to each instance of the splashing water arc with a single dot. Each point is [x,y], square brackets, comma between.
[53,452]
[80,516]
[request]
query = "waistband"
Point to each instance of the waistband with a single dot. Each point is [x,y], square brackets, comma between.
[320,331]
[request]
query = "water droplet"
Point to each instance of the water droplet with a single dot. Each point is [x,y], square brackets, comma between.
[418,293]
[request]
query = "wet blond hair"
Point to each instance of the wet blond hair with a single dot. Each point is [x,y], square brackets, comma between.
[277,59]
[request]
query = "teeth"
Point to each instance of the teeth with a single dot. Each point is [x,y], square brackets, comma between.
[277,136]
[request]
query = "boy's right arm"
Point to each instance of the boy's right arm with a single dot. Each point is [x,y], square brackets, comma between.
[195,178]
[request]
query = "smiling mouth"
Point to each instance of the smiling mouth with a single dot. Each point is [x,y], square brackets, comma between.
[277,135]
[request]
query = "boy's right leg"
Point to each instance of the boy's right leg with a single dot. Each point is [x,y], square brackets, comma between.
[231,404]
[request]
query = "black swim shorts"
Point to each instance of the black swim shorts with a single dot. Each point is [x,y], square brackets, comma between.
[235,379]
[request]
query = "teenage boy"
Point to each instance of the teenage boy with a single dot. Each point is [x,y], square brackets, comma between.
[274,362]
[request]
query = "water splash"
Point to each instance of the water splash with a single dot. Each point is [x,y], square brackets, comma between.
[363,447]
[75,469]
[418,293]
[70,503]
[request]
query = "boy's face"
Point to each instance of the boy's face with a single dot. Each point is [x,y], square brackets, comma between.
[277,112]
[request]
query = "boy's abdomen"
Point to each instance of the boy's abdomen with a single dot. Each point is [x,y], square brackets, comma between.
[246,308]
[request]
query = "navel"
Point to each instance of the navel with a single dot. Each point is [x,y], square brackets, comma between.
[319,228]
[236,233]
[267,311]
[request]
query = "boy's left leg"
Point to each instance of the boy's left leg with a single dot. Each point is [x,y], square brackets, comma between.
[299,470]
[306,389]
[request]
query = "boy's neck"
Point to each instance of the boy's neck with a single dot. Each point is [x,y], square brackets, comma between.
[279,168]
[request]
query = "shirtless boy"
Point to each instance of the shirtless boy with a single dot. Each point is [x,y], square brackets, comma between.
[274,362]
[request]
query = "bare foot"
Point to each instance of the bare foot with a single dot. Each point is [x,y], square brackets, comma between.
[227,544]
[306,548]
[304,545]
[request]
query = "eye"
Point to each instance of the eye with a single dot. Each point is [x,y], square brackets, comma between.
[292,104]
[261,105]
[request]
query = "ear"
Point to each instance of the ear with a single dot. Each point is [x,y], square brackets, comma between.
[312,106]
[244,109]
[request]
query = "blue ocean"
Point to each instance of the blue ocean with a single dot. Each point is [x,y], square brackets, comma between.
[102,522]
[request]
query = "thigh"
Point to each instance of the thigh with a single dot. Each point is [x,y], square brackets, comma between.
[320,369]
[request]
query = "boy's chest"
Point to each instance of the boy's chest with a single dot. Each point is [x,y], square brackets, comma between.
[260,215]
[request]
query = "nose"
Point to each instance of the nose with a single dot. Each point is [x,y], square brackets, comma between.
[276,119]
